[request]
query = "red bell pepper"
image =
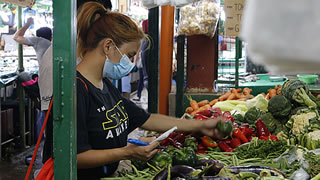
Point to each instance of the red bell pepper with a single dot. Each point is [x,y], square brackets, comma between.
[262,129]
[224,147]
[235,142]
[200,117]
[237,133]
[208,141]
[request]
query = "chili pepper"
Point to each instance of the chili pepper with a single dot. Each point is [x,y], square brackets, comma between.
[265,138]
[184,156]
[208,141]
[245,125]
[165,142]
[179,138]
[235,142]
[246,131]
[201,147]
[237,133]
[224,147]
[262,129]
[191,142]
[230,118]
[228,141]
[226,114]
[225,128]
[161,159]
[174,143]
[200,117]
[215,112]
[205,112]
[274,138]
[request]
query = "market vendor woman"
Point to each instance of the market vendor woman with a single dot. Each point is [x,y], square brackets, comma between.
[106,42]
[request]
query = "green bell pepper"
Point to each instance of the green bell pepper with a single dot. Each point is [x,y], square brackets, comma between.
[185,156]
[191,142]
[161,159]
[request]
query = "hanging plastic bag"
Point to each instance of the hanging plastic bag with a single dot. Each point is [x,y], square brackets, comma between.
[180,3]
[149,3]
[283,35]
[162,2]
[199,18]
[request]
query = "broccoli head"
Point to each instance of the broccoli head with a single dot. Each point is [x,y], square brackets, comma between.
[270,122]
[279,106]
[252,115]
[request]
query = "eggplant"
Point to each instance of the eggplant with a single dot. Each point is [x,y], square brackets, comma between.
[211,178]
[181,171]
[213,170]
[257,170]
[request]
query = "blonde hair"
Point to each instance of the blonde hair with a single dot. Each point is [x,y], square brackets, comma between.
[95,23]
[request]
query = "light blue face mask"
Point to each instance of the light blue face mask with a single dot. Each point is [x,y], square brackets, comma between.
[117,70]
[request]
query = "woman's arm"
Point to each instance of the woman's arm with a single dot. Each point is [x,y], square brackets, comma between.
[96,158]
[161,123]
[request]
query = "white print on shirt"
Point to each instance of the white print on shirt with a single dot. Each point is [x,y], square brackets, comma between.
[101,109]
[118,115]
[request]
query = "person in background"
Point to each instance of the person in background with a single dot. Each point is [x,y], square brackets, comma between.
[40,43]
[107,40]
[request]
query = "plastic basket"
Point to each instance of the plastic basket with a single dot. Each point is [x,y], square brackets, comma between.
[308,78]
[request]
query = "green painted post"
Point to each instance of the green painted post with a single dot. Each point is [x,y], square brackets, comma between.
[64,93]
[153,60]
[20,88]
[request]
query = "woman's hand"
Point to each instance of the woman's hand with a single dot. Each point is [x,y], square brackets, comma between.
[143,152]
[209,128]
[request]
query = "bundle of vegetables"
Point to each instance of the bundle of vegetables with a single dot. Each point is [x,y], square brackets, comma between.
[273,92]
[234,94]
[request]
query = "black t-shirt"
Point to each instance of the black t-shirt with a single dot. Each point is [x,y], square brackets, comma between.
[104,120]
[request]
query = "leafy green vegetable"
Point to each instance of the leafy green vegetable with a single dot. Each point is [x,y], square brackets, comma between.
[259,102]
[314,163]
[279,106]
[271,123]
[252,115]
[238,118]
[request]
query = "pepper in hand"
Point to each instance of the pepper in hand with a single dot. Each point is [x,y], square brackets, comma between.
[185,156]
[225,127]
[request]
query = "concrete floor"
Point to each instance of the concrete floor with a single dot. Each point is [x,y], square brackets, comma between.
[15,167]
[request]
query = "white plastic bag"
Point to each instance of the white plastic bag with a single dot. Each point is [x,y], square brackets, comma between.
[149,3]
[199,18]
[283,35]
[162,2]
[180,3]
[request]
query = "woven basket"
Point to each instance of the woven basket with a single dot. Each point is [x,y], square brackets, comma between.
[22,3]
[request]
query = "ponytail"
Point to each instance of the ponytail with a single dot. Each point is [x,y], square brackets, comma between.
[88,13]
[95,24]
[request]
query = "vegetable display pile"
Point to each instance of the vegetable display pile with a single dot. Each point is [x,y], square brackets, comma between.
[267,137]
